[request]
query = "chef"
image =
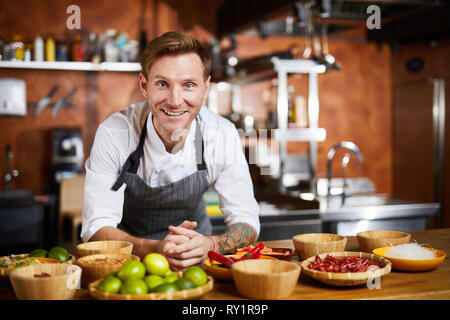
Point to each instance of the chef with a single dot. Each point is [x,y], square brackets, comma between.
[151,163]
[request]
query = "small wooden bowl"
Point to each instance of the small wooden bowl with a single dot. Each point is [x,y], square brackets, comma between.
[312,244]
[347,279]
[106,246]
[93,271]
[371,240]
[177,295]
[4,272]
[265,279]
[64,280]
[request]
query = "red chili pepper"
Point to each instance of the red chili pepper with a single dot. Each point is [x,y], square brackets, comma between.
[341,264]
[220,258]
[259,247]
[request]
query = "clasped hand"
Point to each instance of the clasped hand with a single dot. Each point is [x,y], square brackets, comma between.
[183,247]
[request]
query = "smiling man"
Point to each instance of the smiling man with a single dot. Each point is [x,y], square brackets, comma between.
[151,163]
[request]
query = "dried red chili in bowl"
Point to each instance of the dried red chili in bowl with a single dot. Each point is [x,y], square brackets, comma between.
[342,264]
[42,275]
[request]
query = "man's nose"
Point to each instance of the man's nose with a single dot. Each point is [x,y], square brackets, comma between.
[175,96]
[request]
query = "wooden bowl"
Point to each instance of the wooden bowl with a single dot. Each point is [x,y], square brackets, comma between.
[413,265]
[347,279]
[4,272]
[177,295]
[94,270]
[371,240]
[265,279]
[312,244]
[106,246]
[224,273]
[64,280]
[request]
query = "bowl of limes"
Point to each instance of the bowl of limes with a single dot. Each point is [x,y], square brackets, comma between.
[58,253]
[151,279]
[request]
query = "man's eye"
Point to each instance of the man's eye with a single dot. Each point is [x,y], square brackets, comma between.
[161,84]
[190,85]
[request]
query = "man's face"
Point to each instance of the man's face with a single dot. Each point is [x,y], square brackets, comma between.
[175,90]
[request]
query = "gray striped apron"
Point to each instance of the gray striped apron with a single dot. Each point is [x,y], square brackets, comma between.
[148,211]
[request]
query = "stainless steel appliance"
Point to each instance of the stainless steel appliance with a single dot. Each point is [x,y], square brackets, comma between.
[421,138]
[67,154]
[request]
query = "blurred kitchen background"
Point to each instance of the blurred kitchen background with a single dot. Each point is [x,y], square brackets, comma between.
[356,119]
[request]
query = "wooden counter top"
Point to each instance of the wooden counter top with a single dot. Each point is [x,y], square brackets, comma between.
[397,285]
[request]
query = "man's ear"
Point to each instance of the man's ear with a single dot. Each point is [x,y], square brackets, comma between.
[205,96]
[143,85]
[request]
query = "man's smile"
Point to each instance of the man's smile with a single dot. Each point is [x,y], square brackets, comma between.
[173,114]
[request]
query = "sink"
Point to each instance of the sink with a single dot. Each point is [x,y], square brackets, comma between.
[16,196]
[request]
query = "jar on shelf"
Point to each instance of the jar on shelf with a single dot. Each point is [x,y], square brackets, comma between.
[18,48]
[110,50]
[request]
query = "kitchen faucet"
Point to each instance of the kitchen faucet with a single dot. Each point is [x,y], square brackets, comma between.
[9,176]
[354,150]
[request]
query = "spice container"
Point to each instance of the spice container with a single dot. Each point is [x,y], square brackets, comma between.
[77,49]
[61,51]
[50,49]
[18,47]
[110,51]
[38,49]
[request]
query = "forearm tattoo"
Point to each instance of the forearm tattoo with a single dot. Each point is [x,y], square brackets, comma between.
[236,236]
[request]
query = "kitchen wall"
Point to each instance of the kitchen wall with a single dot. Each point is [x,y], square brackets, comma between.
[99,93]
[355,103]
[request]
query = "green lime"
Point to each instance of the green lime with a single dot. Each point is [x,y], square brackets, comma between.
[156,263]
[183,284]
[42,253]
[171,278]
[110,284]
[134,286]
[131,269]
[58,253]
[153,281]
[166,287]
[169,272]
[112,274]
[196,274]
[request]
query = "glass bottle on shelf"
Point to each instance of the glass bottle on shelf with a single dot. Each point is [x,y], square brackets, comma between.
[61,51]
[38,49]
[50,49]
[77,49]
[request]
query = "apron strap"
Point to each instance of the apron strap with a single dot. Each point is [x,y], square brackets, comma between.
[199,149]
[132,163]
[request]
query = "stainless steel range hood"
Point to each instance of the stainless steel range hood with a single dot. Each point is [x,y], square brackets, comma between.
[401,20]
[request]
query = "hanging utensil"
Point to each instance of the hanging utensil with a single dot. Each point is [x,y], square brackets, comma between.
[45,101]
[63,102]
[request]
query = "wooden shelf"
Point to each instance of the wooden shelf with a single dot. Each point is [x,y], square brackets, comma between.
[72,65]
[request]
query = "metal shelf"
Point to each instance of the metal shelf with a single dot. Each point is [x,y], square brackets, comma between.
[72,65]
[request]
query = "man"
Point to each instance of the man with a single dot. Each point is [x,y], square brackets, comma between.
[151,163]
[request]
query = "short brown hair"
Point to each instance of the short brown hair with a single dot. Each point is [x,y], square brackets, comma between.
[174,43]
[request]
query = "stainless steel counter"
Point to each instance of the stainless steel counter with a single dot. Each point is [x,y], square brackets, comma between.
[287,218]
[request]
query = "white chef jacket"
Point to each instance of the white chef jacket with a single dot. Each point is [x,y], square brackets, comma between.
[118,136]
